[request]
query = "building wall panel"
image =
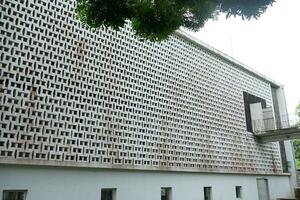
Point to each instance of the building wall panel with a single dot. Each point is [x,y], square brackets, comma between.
[50,183]
[69,94]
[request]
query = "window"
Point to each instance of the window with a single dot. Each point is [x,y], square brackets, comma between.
[14,194]
[166,193]
[238,192]
[207,193]
[250,99]
[108,194]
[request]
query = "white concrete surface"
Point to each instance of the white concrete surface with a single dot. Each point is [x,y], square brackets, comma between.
[256,112]
[288,144]
[52,183]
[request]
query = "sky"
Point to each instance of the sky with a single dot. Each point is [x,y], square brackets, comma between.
[269,45]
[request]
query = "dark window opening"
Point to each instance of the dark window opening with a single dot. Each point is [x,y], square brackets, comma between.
[108,194]
[166,193]
[207,193]
[238,191]
[14,194]
[250,99]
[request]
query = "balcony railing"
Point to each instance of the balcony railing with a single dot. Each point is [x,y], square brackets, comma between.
[285,127]
[276,123]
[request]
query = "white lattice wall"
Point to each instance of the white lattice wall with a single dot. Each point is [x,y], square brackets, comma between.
[104,98]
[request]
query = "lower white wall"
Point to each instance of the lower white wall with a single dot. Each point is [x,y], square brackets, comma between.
[57,183]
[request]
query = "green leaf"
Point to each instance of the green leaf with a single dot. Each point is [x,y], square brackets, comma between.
[157,19]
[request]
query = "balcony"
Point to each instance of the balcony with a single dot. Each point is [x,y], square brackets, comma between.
[279,128]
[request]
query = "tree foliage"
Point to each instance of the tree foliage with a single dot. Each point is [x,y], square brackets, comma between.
[297,152]
[157,19]
[297,142]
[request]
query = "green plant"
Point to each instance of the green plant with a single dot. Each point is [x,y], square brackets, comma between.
[296,143]
[157,19]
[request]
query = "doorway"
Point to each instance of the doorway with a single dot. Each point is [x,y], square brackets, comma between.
[263,189]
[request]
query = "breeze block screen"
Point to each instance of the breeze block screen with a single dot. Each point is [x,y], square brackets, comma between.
[100,98]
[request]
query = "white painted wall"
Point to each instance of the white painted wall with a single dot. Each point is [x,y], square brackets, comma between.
[262,118]
[268,118]
[288,144]
[256,112]
[53,183]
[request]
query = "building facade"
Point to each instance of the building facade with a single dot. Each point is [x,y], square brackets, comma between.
[100,114]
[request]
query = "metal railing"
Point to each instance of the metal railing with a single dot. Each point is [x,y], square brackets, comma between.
[276,123]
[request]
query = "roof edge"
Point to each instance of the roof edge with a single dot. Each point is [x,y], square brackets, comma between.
[198,42]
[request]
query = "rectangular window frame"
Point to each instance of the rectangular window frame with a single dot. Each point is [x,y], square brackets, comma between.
[238,192]
[5,193]
[250,99]
[113,193]
[168,191]
[207,193]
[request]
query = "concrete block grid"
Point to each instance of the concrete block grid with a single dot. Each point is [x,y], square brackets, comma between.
[104,98]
